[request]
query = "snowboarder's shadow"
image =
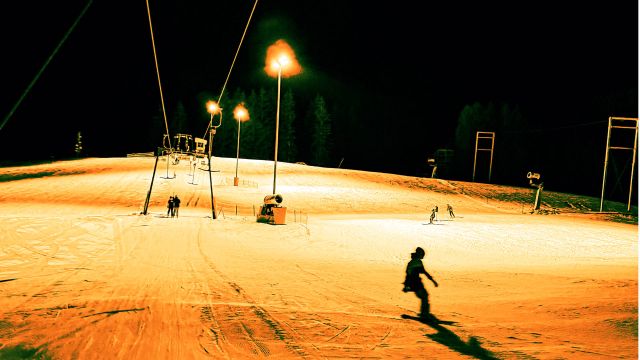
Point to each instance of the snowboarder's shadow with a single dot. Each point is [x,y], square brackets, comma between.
[449,339]
[432,224]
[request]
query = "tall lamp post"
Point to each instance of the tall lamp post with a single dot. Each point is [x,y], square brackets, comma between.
[281,61]
[241,114]
[212,108]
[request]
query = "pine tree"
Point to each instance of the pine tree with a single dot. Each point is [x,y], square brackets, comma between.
[180,119]
[320,141]
[265,121]
[155,136]
[512,150]
[509,126]
[472,119]
[226,135]
[287,139]
[250,128]
[78,146]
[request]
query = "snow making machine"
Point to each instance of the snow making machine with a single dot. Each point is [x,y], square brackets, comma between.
[271,212]
[535,181]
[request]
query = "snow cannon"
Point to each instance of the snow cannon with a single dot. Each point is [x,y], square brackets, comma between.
[275,199]
[534,178]
[271,212]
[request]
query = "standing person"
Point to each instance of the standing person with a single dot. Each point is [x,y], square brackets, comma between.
[170,206]
[436,211]
[176,204]
[433,216]
[413,282]
[450,210]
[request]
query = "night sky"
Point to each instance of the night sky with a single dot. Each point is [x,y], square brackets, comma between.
[410,67]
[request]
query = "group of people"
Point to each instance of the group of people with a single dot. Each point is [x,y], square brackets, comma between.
[173,205]
[434,213]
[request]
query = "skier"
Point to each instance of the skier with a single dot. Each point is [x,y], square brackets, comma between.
[433,216]
[450,210]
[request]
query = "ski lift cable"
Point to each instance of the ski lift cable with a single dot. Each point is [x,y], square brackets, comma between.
[155,58]
[232,63]
[46,63]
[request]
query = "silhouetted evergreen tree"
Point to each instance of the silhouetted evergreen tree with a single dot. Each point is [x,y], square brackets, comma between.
[179,122]
[471,119]
[264,119]
[78,147]
[251,129]
[239,97]
[320,141]
[510,147]
[156,132]
[226,135]
[287,138]
[512,150]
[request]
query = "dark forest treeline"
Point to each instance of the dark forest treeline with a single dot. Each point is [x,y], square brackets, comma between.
[330,133]
[304,130]
[337,128]
[314,131]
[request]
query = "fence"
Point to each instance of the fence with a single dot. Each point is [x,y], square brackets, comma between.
[231,209]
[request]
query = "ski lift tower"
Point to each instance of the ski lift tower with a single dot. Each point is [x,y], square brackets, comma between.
[484,135]
[620,123]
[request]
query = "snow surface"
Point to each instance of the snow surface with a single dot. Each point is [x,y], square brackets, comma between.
[83,274]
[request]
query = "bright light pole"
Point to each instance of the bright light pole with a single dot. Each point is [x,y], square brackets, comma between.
[280,64]
[212,108]
[281,61]
[241,114]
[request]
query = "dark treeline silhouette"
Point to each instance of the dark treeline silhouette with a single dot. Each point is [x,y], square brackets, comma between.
[341,128]
[333,132]
[302,138]
[568,154]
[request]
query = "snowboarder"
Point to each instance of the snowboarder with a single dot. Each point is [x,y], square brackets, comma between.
[413,282]
[433,216]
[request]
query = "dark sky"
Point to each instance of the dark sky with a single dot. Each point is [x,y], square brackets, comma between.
[412,64]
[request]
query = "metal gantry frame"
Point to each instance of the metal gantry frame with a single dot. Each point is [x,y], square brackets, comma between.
[622,123]
[483,135]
